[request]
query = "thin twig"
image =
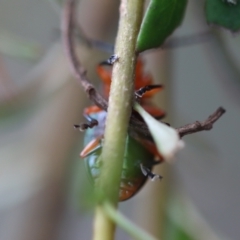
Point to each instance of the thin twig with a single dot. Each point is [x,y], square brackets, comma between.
[136,126]
[201,126]
[78,70]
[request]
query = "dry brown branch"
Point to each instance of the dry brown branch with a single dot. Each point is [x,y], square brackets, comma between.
[136,126]
[201,126]
[78,70]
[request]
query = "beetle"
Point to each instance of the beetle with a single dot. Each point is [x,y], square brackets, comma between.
[140,154]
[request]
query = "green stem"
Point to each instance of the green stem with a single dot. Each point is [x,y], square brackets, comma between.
[119,110]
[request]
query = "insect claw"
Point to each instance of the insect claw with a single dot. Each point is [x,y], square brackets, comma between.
[147,172]
[140,92]
[155,177]
[92,122]
[144,170]
[114,58]
[81,127]
[138,95]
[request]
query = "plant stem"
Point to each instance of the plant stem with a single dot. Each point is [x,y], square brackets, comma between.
[119,110]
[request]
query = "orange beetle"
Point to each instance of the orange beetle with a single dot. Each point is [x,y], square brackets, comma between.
[140,154]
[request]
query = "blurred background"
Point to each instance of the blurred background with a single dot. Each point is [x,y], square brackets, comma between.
[44,187]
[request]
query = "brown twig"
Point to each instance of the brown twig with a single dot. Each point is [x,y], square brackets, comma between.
[136,126]
[201,126]
[78,70]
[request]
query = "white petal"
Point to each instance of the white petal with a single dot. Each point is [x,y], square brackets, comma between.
[166,138]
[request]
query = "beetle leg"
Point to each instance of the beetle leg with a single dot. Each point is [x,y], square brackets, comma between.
[91,147]
[140,92]
[147,172]
[91,123]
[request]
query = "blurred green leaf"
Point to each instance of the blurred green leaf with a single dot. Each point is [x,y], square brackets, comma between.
[175,232]
[131,228]
[160,20]
[223,13]
[184,222]
[15,46]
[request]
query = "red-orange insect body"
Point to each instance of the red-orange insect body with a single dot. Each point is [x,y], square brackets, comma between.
[141,80]
[138,152]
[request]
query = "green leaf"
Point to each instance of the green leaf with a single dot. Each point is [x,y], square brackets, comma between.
[15,46]
[160,20]
[225,13]
[175,232]
[166,138]
[131,228]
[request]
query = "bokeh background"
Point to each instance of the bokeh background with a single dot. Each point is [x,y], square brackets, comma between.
[43,183]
